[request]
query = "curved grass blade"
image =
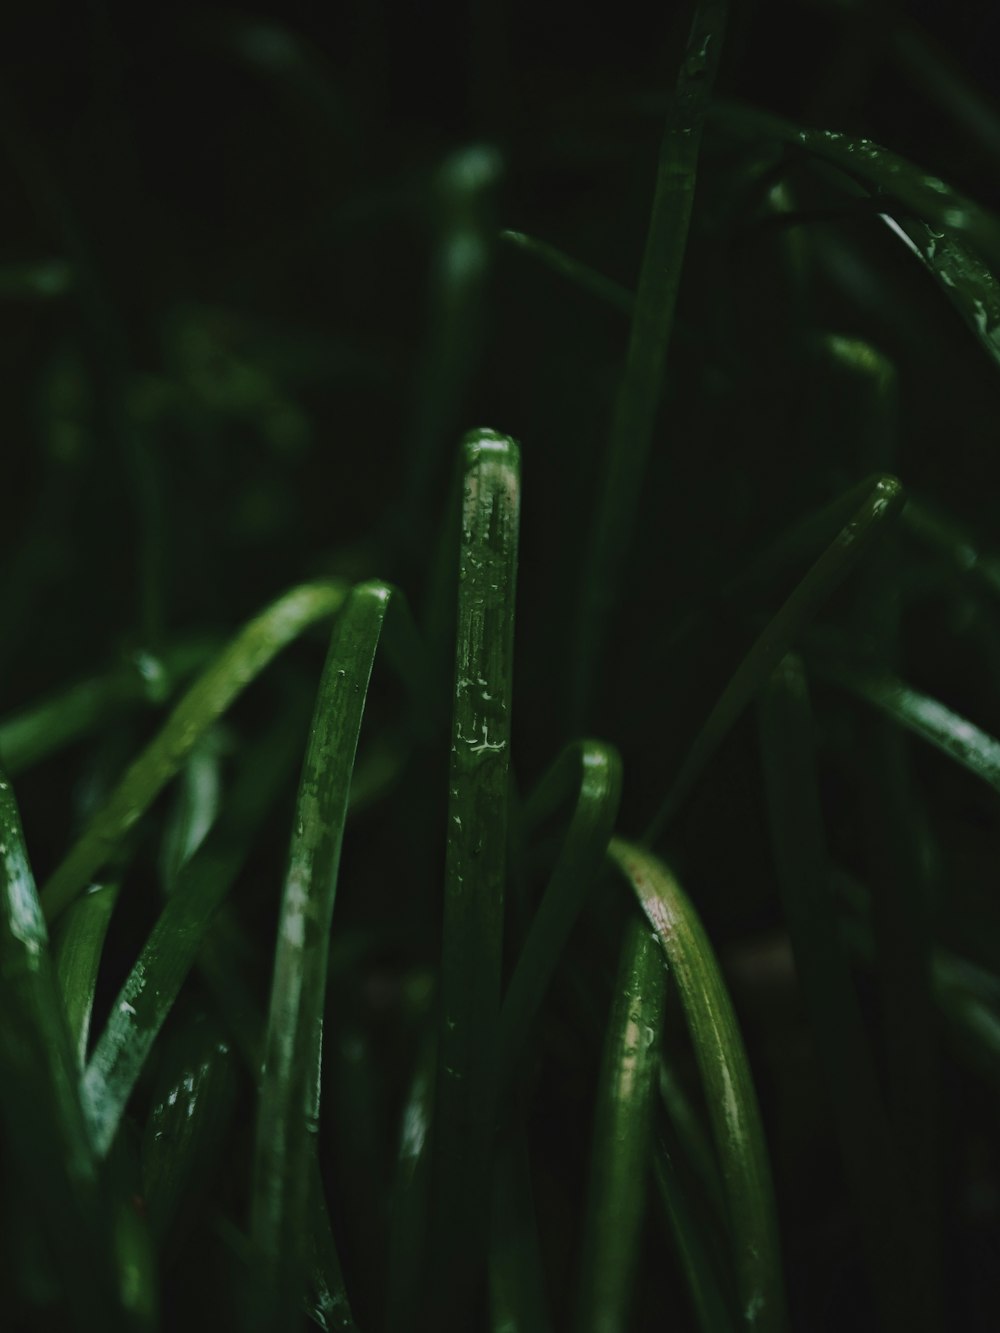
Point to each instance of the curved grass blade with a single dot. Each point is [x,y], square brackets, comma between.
[580,274]
[153,984]
[475,871]
[39,1095]
[883,172]
[207,699]
[622,1135]
[595,770]
[868,523]
[78,946]
[517,1284]
[725,1074]
[869,1148]
[326,1296]
[951,733]
[652,324]
[199,791]
[288,1104]
[194,1099]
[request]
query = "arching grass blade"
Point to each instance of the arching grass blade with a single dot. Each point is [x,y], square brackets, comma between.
[882,505]
[727,1081]
[619,1164]
[652,325]
[475,872]
[288,1107]
[207,699]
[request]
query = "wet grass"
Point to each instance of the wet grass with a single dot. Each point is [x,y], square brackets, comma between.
[454,879]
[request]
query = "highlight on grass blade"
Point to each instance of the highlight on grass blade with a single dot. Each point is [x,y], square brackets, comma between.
[725,1074]
[475,871]
[207,699]
[79,943]
[880,507]
[594,771]
[288,1104]
[622,1135]
[652,325]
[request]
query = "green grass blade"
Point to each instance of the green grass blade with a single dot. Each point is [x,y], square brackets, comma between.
[286,1122]
[869,1148]
[79,943]
[207,699]
[39,1093]
[595,771]
[580,274]
[517,1284]
[652,324]
[882,505]
[475,869]
[885,173]
[725,1075]
[152,986]
[965,743]
[326,1296]
[196,808]
[622,1136]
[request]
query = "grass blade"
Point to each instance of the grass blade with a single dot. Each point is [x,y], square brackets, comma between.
[288,1105]
[885,173]
[475,870]
[204,703]
[869,1149]
[580,274]
[39,1093]
[652,324]
[725,1075]
[596,771]
[965,743]
[78,947]
[410,1194]
[152,986]
[867,525]
[622,1135]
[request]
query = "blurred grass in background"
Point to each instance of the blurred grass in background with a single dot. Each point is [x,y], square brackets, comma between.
[259,275]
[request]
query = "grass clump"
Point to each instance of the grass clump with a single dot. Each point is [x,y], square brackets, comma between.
[446,948]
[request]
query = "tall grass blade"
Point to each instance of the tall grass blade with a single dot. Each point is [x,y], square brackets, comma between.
[726,1078]
[475,871]
[622,1136]
[881,506]
[288,1106]
[595,771]
[869,1148]
[652,323]
[411,1194]
[204,703]
[79,943]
